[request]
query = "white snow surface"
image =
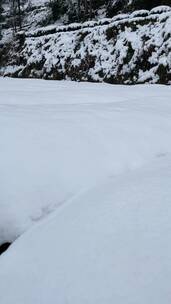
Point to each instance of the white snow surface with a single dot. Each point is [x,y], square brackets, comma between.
[99,157]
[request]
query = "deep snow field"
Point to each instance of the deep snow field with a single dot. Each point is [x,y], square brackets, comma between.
[85,181]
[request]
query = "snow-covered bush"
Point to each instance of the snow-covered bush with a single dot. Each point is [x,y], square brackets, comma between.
[160,9]
[140,13]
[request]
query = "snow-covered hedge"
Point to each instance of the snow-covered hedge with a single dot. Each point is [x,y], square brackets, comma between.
[129,49]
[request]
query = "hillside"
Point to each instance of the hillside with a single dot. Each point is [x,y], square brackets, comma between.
[128,48]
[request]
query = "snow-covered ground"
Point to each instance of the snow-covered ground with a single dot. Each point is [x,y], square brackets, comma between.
[98,158]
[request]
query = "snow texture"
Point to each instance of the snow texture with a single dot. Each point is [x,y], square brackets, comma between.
[101,156]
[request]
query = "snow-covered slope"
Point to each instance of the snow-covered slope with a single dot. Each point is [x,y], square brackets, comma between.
[129,49]
[103,153]
[111,245]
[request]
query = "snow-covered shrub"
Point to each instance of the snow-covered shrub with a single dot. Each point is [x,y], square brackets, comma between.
[160,9]
[140,13]
[120,17]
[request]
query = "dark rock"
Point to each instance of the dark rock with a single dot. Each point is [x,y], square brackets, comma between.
[4,247]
